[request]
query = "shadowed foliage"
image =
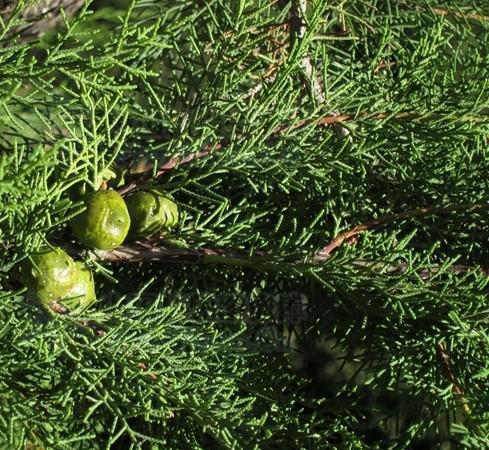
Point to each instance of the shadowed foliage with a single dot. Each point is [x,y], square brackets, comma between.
[326,283]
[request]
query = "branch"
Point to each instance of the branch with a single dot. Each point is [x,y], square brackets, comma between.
[298,28]
[167,166]
[388,218]
[458,392]
[427,273]
[40,17]
[460,15]
[84,324]
[330,119]
[152,252]
[327,120]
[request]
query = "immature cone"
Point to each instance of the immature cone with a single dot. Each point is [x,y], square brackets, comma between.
[151,211]
[105,222]
[82,294]
[50,274]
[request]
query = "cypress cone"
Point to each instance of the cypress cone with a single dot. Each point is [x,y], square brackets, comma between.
[151,210]
[105,222]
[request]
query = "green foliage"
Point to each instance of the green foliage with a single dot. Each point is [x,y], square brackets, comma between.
[180,356]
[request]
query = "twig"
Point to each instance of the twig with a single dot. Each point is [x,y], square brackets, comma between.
[147,173]
[444,358]
[333,119]
[90,325]
[327,120]
[382,220]
[383,65]
[461,15]
[298,28]
[307,67]
[427,273]
[39,17]
[169,165]
[153,252]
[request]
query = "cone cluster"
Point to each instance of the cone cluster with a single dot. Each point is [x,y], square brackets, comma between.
[51,275]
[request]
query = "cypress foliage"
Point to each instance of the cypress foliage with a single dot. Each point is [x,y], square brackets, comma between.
[326,285]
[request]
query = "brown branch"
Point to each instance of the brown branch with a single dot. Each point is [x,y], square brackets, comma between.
[153,252]
[167,166]
[460,15]
[40,17]
[458,392]
[327,120]
[87,325]
[330,119]
[383,65]
[142,252]
[450,12]
[427,273]
[298,30]
[388,218]
[405,115]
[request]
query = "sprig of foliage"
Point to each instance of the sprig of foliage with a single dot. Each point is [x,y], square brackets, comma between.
[182,363]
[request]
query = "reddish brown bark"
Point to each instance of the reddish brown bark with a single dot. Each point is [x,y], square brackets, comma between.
[42,16]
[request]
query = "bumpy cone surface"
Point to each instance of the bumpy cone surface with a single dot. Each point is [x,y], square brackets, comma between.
[151,211]
[105,222]
[82,294]
[50,274]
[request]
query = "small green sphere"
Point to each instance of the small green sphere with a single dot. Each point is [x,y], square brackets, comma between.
[151,211]
[50,274]
[82,294]
[105,222]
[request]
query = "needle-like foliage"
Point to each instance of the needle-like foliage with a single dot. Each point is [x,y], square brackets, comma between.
[266,319]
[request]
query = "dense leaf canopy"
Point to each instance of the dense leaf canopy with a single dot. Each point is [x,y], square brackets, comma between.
[265,319]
